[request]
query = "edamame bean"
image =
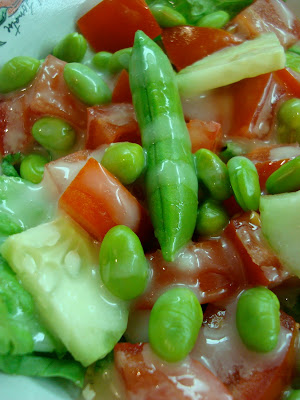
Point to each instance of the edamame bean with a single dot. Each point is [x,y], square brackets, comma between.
[32,168]
[123,265]
[286,178]
[295,49]
[119,60]
[175,321]
[213,174]
[124,160]
[258,319]
[288,130]
[71,48]
[9,224]
[293,395]
[216,19]
[167,16]
[292,61]
[212,218]
[18,73]
[244,182]
[86,84]
[54,134]
[101,60]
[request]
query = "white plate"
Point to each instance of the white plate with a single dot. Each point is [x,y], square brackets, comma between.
[17,37]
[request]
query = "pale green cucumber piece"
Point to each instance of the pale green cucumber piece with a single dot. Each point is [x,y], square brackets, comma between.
[280,222]
[232,64]
[57,263]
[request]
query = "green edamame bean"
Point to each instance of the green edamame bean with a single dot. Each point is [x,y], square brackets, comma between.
[18,73]
[71,48]
[123,265]
[167,16]
[84,83]
[288,130]
[32,168]
[258,319]
[293,395]
[174,324]
[232,149]
[212,218]
[101,60]
[216,19]
[286,178]
[54,134]
[295,49]
[125,160]
[213,174]
[119,60]
[244,182]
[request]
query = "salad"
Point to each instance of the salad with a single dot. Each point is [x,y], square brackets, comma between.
[149,204]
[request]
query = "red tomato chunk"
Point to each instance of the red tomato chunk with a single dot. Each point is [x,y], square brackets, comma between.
[205,135]
[112,24]
[97,201]
[146,377]
[122,92]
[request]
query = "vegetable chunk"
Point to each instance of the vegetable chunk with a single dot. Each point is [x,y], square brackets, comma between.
[58,265]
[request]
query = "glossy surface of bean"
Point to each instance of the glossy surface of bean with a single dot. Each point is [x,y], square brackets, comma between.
[211,219]
[71,48]
[32,168]
[286,178]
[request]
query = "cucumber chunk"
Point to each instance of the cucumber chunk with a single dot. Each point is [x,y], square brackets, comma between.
[57,263]
[280,222]
[232,64]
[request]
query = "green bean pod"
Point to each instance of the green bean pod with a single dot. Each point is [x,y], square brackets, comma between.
[286,178]
[244,182]
[258,319]
[174,324]
[171,180]
[213,174]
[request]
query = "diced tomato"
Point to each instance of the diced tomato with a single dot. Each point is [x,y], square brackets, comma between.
[16,120]
[111,25]
[254,101]
[269,158]
[290,80]
[261,264]
[51,95]
[267,16]
[248,375]
[112,123]
[186,44]
[205,134]
[146,377]
[211,268]
[97,201]
[122,92]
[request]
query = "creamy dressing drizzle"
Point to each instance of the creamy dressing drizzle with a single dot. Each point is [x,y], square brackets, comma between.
[221,350]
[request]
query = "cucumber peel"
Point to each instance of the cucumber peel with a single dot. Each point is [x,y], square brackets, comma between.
[232,64]
[280,223]
[57,263]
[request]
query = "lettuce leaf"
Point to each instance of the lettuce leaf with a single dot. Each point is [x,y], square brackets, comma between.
[35,365]
[20,329]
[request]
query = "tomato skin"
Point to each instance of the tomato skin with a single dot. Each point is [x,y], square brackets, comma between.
[97,201]
[267,16]
[205,135]
[290,80]
[212,268]
[110,124]
[262,267]
[122,92]
[186,44]
[111,25]
[51,96]
[146,377]
[254,103]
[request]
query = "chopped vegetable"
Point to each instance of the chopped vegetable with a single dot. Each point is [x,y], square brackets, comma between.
[71,48]
[170,176]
